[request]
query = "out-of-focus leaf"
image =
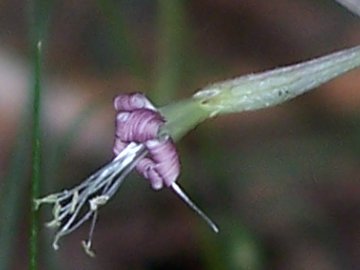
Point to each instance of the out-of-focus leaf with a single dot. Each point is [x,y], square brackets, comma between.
[171,56]
[235,248]
[122,38]
[11,196]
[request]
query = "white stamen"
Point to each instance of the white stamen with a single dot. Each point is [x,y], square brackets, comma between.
[193,206]
[96,191]
[87,248]
[74,201]
[68,204]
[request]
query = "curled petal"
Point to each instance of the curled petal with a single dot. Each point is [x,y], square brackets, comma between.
[166,158]
[147,168]
[138,126]
[131,102]
[138,121]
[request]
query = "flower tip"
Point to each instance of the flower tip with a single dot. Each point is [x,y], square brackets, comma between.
[98,201]
[55,244]
[87,248]
[182,195]
[52,198]
[37,203]
[215,228]
[53,224]
[156,184]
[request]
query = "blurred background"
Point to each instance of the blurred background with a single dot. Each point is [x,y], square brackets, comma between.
[282,183]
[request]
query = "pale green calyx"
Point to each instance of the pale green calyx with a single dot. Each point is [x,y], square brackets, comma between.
[257,91]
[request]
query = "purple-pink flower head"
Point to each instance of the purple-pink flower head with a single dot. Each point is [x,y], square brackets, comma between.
[138,121]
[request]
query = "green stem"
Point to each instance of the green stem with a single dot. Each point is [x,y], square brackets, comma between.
[39,21]
[171,23]
[36,158]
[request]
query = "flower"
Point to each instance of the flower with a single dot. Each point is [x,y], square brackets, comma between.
[139,143]
[143,139]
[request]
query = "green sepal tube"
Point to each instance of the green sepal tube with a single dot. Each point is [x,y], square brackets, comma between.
[256,91]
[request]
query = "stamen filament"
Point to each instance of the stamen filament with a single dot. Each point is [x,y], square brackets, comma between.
[96,190]
[177,189]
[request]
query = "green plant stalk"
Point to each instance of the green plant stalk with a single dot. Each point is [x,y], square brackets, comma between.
[172,28]
[36,158]
[39,15]
[257,91]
